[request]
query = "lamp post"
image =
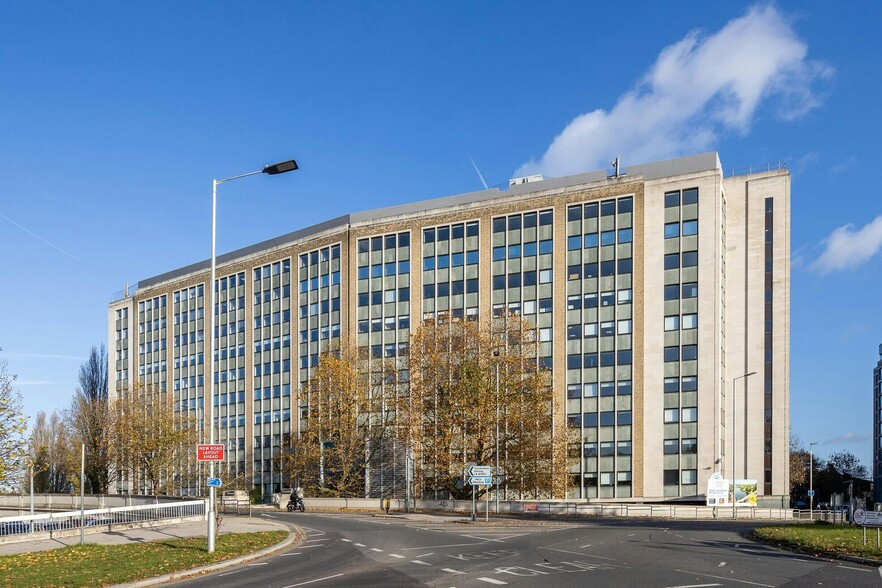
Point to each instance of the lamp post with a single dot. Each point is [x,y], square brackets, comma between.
[278,168]
[496,470]
[811,482]
[735,431]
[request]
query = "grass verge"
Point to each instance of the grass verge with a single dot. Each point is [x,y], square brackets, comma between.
[822,538]
[92,565]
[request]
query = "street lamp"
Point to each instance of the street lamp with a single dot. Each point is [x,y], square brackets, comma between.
[278,168]
[811,482]
[496,471]
[735,431]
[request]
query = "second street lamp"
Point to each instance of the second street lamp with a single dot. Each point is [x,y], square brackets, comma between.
[734,431]
[277,168]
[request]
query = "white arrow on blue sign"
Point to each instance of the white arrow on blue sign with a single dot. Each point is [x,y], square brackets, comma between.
[215,482]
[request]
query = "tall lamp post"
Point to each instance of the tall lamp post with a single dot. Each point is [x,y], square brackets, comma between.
[496,470]
[811,482]
[272,170]
[735,431]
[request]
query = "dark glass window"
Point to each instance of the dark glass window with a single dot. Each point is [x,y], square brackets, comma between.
[607,388]
[574,213]
[457,231]
[529,249]
[429,236]
[499,225]
[591,210]
[607,358]
[672,230]
[390,241]
[499,253]
[672,199]
[690,445]
[443,289]
[590,360]
[624,357]
[546,217]
[590,240]
[574,361]
[672,385]
[690,290]
[514,222]
[607,419]
[574,332]
[671,446]
[608,208]
[403,239]
[590,270]
[546,246]
[472,229]
[499,282]
[624,417]
[690,258]
[607,268]
[428,290]
[690,196]
[626,204]
[363,247]
[625,235]
[672,261]
[690,352]
[672,292]
[690,228]
[671,477]
[672,354]
[690,383]
[574,242]
[624,387]
[625,266]
[529,220]
[589,419]
[514,280]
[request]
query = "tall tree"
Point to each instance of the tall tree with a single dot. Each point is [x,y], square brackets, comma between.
[88,417]
[13,425]
[848,464]
[456,402]
[147,438]
[349,421]
[51,454]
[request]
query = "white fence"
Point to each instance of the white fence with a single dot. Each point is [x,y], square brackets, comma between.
[62,524]
[550,508]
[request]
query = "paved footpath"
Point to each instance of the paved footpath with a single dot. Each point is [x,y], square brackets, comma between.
[229,524]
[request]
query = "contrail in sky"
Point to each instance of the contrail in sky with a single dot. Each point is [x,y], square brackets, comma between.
[475,165]
[30,232]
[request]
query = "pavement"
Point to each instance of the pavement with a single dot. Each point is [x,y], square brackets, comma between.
[228,524]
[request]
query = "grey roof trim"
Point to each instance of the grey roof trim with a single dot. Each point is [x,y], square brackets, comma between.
[649,171]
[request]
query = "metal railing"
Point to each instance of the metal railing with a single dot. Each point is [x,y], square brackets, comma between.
[755,169]
[98,520]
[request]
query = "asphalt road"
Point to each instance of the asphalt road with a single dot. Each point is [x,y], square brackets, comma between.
[365,550]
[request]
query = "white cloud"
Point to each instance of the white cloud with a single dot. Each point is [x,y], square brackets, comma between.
[847,247]
[697,88]
[850,438]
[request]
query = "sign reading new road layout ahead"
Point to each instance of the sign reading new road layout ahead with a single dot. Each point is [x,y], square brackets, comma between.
[209,452]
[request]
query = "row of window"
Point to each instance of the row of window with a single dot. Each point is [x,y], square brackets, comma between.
[604,419]
[590,390]
[606,208]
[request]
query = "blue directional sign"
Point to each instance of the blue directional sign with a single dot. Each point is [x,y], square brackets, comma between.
[811,493]
[214,482]
[481,480]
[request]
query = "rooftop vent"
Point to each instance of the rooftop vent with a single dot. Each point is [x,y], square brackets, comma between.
[525,180]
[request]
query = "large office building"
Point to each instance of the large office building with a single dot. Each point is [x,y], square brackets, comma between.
[661,298]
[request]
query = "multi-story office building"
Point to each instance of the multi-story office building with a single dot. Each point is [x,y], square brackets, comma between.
[653,292]
[877,430]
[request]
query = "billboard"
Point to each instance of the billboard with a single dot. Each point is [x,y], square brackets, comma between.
[720,491]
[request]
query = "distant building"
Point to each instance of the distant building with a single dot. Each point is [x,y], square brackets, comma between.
[653,293]
[877,430]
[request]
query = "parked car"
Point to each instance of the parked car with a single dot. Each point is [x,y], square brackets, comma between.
[15,528]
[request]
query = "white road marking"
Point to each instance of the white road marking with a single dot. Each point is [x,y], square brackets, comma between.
[695,586]
[230,573]
[855,569]
[492,581]
[722,563]
[427,554]
[314,540]
[311,581]
[359,544]
[422,563]
[451,571]
[310,546]
[584,546]
[450,545]
[880,571]
[396,555]
[263,563]
[287,554]
[631,534]
[346,540]
[725,578]
[375,549]
[577,553]
[268,516]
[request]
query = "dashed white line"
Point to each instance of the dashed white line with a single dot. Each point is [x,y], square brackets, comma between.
[359,544]
[312,581]
[309,546]
[492,581]
[396,555]
[314,540]
[346,540]
[727,579]
[263,563]
[850,568]
[722,563]
[287,554]
[451,571]
[230,573]
[420,562]
[375,549]
[696,586]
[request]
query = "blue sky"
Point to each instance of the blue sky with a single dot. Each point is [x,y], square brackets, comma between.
[116,117]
